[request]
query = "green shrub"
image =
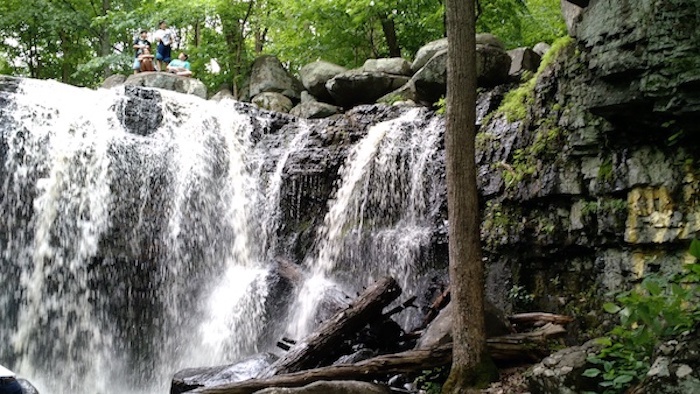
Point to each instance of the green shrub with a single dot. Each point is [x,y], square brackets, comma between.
[657,309]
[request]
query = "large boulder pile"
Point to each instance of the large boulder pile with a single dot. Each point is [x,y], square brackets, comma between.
[326,88]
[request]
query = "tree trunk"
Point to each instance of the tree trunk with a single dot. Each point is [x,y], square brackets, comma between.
[105,43]
[471,365]
[390,34]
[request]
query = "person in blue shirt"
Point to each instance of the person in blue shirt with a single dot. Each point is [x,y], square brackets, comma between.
[8,382]
[180,66]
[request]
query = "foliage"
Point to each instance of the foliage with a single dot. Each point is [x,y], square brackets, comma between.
[516,102]
[525,160]
[431,380]
[80,42]
[441,106]
[521,23]
[658,308]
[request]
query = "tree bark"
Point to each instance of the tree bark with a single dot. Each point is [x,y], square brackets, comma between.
[410,361]
[313,349]
[392,41]
[471,365]
[105,42]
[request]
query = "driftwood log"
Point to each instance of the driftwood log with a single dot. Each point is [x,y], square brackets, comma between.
[505,348]
[410,361]
[526,346]
[538,319]
[315,348]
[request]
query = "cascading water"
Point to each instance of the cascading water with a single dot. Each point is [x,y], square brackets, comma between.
[382,217]
[139,229]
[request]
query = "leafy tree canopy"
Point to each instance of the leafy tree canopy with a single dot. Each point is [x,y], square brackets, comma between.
[82,41]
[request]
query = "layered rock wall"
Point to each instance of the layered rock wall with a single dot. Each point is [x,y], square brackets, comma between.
[598,182]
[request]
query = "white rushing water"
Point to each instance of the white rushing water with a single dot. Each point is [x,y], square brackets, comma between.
[378,221]
[126,258]
[185,196]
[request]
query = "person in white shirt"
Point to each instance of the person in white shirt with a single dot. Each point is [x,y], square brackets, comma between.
[8,382]
[165,38]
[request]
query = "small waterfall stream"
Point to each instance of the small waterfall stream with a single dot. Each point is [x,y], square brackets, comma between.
[126,256]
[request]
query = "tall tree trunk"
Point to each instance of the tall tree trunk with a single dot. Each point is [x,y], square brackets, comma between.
[105,43]
[390,34]
[65,63]
[197,32]
[471,364]
[260,39]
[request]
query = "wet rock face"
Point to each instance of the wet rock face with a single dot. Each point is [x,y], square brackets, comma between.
[645,60]
[310,174]
[192,378]
[140,113]
[597,183]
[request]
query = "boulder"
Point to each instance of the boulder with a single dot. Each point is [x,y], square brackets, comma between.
[273,102]
[168,81]
[269,75]
[492,66]
[439,332]
[113,80]
[541,48]
[561,373]
[523,59]
[426,52]
[404,94]
[572,15]
[489,39]
[222,94]
[431,49]
[431,80]
[395,65]
[315,75]
[27,387]
[326,387]
[191,378]
[310,108]
[314,110]
[357,87]
[676,366]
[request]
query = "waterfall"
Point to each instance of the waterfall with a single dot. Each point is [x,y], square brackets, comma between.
[140,229]
[380,220]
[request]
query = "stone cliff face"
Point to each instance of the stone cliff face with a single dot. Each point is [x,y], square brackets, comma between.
[593,181]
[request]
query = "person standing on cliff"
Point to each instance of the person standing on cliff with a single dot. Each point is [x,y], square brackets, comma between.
[165,38]
[8,382]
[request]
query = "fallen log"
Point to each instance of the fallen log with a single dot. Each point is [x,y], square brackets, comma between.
[315,349]
[524,346]
[409,361]
[537,319]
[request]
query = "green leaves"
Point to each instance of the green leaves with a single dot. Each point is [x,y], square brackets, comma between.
[658,308]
